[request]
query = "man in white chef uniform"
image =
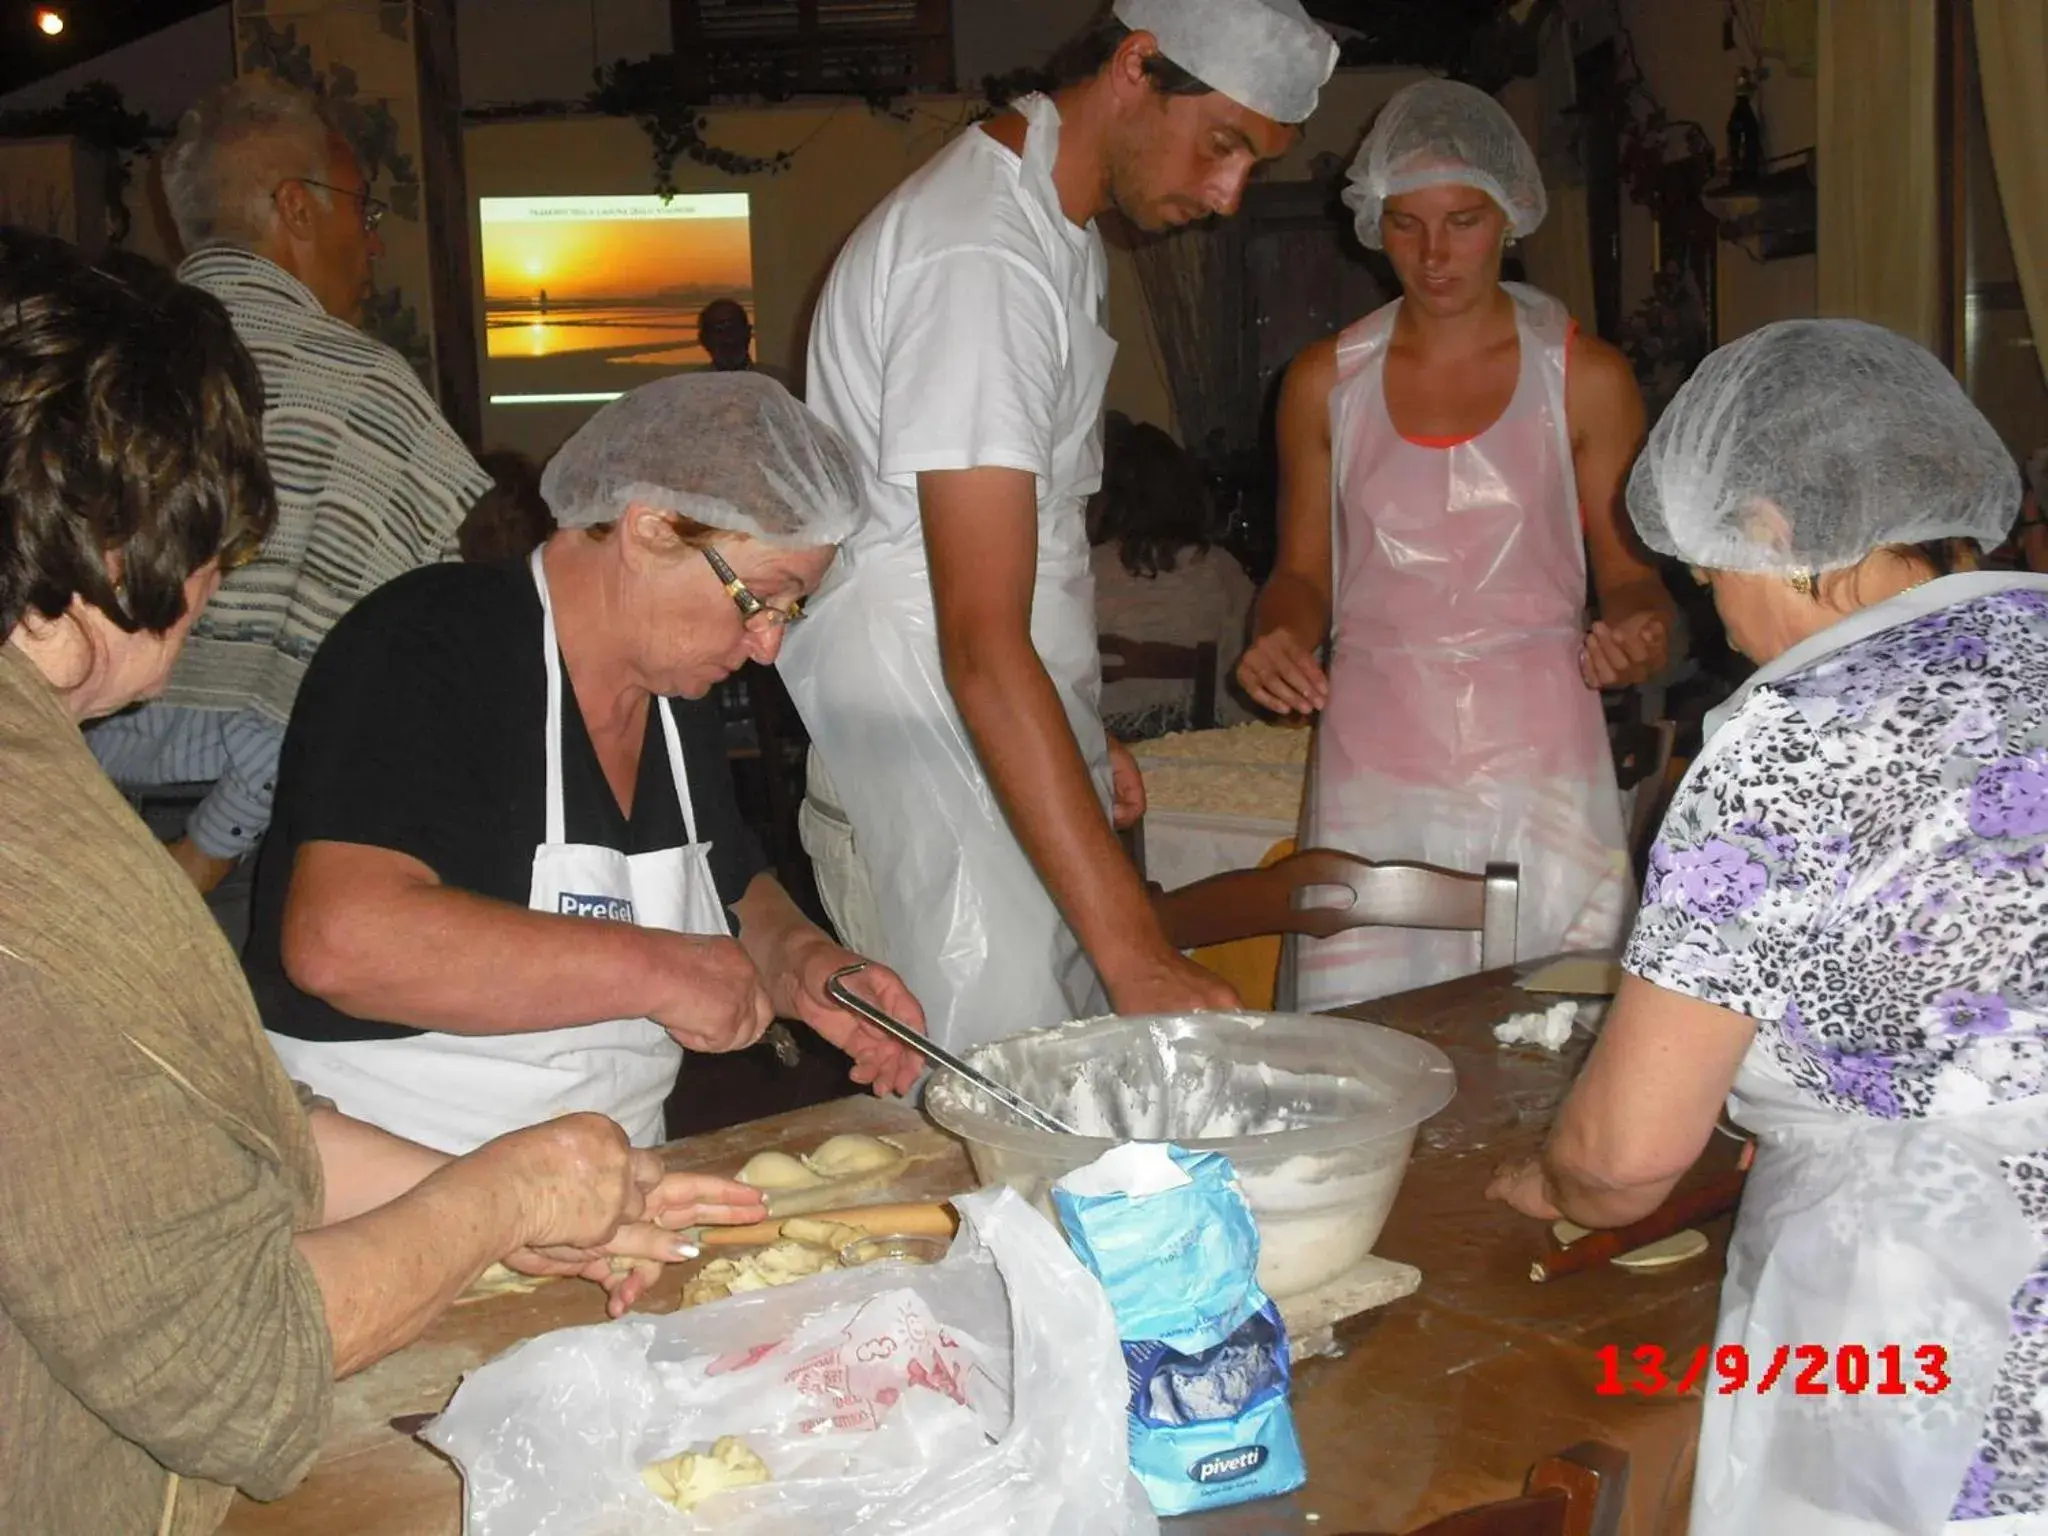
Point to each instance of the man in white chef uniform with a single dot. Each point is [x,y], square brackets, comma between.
[960,778]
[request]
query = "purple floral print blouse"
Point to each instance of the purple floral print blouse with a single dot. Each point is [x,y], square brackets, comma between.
[1859,862]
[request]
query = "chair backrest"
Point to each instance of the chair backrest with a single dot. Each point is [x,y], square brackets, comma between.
[1124,659]
[1581,1491]
[1247,903]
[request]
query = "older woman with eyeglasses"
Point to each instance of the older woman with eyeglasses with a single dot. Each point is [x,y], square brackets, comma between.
[507,877]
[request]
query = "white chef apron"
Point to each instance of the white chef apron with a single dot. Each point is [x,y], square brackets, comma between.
[455,1092]
[913,836]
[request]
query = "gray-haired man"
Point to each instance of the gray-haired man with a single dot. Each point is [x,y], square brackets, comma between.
[279,225]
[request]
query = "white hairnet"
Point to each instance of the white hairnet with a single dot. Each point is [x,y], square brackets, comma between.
[730,450]
[1269,55]
[1809,443]
[1442,133]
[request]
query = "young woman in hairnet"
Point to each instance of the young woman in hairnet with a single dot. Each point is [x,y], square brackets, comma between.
[507,858]
[1846,923]
[1449,465]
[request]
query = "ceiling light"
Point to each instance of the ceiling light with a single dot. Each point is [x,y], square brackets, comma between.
[49,22]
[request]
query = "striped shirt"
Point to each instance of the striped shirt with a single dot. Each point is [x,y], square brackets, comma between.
[234,751]
[371,483]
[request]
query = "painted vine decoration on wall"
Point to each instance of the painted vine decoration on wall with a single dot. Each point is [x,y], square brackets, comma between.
[646,90]
[97,115]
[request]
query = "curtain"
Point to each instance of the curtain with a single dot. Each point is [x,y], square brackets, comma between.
[1195,303]
[2012,62]
[1877,145]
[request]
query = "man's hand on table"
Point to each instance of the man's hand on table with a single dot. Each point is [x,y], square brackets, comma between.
[1522,1185]
[1167,982]
[1128,807]
[798,992]
[716,1001]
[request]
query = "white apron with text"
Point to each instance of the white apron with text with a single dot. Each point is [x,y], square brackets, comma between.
[455,1092]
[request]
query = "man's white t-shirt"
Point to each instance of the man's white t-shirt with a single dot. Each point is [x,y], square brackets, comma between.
[944,336]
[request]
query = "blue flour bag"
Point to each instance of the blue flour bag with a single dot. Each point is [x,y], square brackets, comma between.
[1170,1237]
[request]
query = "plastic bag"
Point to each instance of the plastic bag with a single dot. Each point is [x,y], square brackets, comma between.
[1173,1241]
[984,1393]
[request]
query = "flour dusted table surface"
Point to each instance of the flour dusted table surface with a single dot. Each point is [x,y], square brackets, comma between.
[1442,1399]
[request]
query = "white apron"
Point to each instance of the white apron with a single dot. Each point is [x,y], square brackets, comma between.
[964,917]
[455,1092]
[1459,731]
[1860,1231]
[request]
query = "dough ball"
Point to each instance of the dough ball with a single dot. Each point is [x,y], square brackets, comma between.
[845,1156]
[778,1170]
[685,1481]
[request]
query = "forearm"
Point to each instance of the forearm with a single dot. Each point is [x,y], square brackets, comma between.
[1025,741]
[385,1274]
[773,931]
[434,957]
[1583,1195]
[1642,590]
[364,1167]
[1295,604]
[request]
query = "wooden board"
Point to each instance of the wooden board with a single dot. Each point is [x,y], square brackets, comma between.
[372,1481]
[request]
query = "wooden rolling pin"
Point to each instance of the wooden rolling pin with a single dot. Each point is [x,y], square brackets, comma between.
[927,1220]
[1702,1203]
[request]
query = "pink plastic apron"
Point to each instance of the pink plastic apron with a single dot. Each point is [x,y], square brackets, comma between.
[1459,731]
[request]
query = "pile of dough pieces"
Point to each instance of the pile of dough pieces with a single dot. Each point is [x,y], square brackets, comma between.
[842,1157]
[806,1248]
[687,1480]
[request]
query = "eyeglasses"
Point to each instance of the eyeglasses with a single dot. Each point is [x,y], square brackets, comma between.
[750,606]
[374,208]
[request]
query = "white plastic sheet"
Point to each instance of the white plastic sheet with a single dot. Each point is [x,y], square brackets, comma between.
[985,1393]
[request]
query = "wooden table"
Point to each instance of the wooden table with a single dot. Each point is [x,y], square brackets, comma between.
[1440,1400]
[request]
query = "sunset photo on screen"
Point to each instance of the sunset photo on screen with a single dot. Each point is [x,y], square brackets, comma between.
[587,297]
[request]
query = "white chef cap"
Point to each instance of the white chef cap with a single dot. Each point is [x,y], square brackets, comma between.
[1809,443]
[1269,55]
[1443,133]
[729,450]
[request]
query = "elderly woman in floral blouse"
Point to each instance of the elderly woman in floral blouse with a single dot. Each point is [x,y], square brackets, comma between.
[1845,934]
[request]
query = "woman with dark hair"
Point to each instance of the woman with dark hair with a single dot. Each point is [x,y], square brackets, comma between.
[1160,578]
[190,1251]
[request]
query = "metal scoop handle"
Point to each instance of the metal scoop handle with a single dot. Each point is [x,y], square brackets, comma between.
[938,1055]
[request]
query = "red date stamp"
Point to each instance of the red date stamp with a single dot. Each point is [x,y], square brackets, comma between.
[1806,1370]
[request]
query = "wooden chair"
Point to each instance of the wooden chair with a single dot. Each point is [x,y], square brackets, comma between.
[1580,1491]
[1247,903]
[1124,659]
[1643,762]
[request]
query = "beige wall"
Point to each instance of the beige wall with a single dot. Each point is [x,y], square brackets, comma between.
[52,186]
[1678,43]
